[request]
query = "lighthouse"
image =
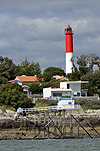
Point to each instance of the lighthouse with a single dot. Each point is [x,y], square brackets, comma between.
[69,48]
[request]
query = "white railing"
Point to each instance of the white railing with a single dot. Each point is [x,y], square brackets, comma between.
[71,109]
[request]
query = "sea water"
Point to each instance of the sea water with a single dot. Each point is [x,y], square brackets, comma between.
[51,145]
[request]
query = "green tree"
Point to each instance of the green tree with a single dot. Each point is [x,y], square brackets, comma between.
[52,83]
[50,71]
[84,65]
[34,88]
[93,59]
[94,82]
[8,70]
[12,95]
[29,68]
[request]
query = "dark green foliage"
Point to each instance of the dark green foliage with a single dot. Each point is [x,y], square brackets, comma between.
[66,96]
[85,66]
[75,76]
[38,89]
[94,82]
[8,70]
[45,102]
[88,104]
[50,71]
[3,80]
[34,88]
[29,68]
[12,95]
[52,83]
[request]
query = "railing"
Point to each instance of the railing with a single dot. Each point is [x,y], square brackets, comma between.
[71,109]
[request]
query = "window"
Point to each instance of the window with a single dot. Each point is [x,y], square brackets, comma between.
[67,86]
[82,94]
[69,29]
[57,94]
[78,94]
[69,102]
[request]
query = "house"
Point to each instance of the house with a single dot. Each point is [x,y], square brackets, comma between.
[28,79]
[23,80]
[68,88]
[59,77]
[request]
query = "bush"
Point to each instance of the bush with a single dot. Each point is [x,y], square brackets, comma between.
[12,95]
[88,104]
[66,96]
[45,102]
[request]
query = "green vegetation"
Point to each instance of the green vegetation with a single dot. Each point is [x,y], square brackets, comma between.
[50,71]
[38,89]
[83,70]
[66,96]
[8,70]
[29,68]
[88,104]
[13,96]
[45,102]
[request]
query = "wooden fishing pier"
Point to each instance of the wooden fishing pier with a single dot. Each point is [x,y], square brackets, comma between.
[53,121]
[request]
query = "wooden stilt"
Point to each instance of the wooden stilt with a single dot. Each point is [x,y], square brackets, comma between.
[34,124]
[82,126]
[71,126]
[44,124]
[55,132]
[78,126]
[26,125]
[39,125]
[63,122]
[48,126]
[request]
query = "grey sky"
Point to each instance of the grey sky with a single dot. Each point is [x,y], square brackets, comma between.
[36,29]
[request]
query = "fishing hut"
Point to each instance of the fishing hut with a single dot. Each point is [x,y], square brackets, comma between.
[54,121]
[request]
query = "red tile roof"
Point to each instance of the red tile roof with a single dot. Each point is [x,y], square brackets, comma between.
[27,78]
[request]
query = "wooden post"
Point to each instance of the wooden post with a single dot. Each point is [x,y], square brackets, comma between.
[63,122]
[39,124]
[48,126]
[78,126]
[60,127]
[71,126]
[34,123]
[26,124]
[22,124]
[29,125]
[44,124]
[55,122]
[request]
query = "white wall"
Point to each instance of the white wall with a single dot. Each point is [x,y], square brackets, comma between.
[69,62]
[63,85]
[46,92]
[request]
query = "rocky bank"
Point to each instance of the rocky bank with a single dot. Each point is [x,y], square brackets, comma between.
[11,129]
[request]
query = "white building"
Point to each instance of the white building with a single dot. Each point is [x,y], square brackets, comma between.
[65,103]
[69,88]
[26,91]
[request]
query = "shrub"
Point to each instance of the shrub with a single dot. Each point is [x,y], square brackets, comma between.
[45,102]
[12,95]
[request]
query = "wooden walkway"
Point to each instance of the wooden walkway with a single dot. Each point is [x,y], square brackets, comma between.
[53,121]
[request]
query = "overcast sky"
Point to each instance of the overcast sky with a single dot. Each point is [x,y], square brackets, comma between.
[35,29]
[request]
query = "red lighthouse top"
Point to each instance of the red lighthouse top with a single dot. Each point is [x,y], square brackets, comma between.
[68,30]
[69,39]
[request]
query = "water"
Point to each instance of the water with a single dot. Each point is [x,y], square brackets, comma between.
[51,145]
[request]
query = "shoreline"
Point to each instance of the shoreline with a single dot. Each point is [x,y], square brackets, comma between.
[26,129]
[19,134]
